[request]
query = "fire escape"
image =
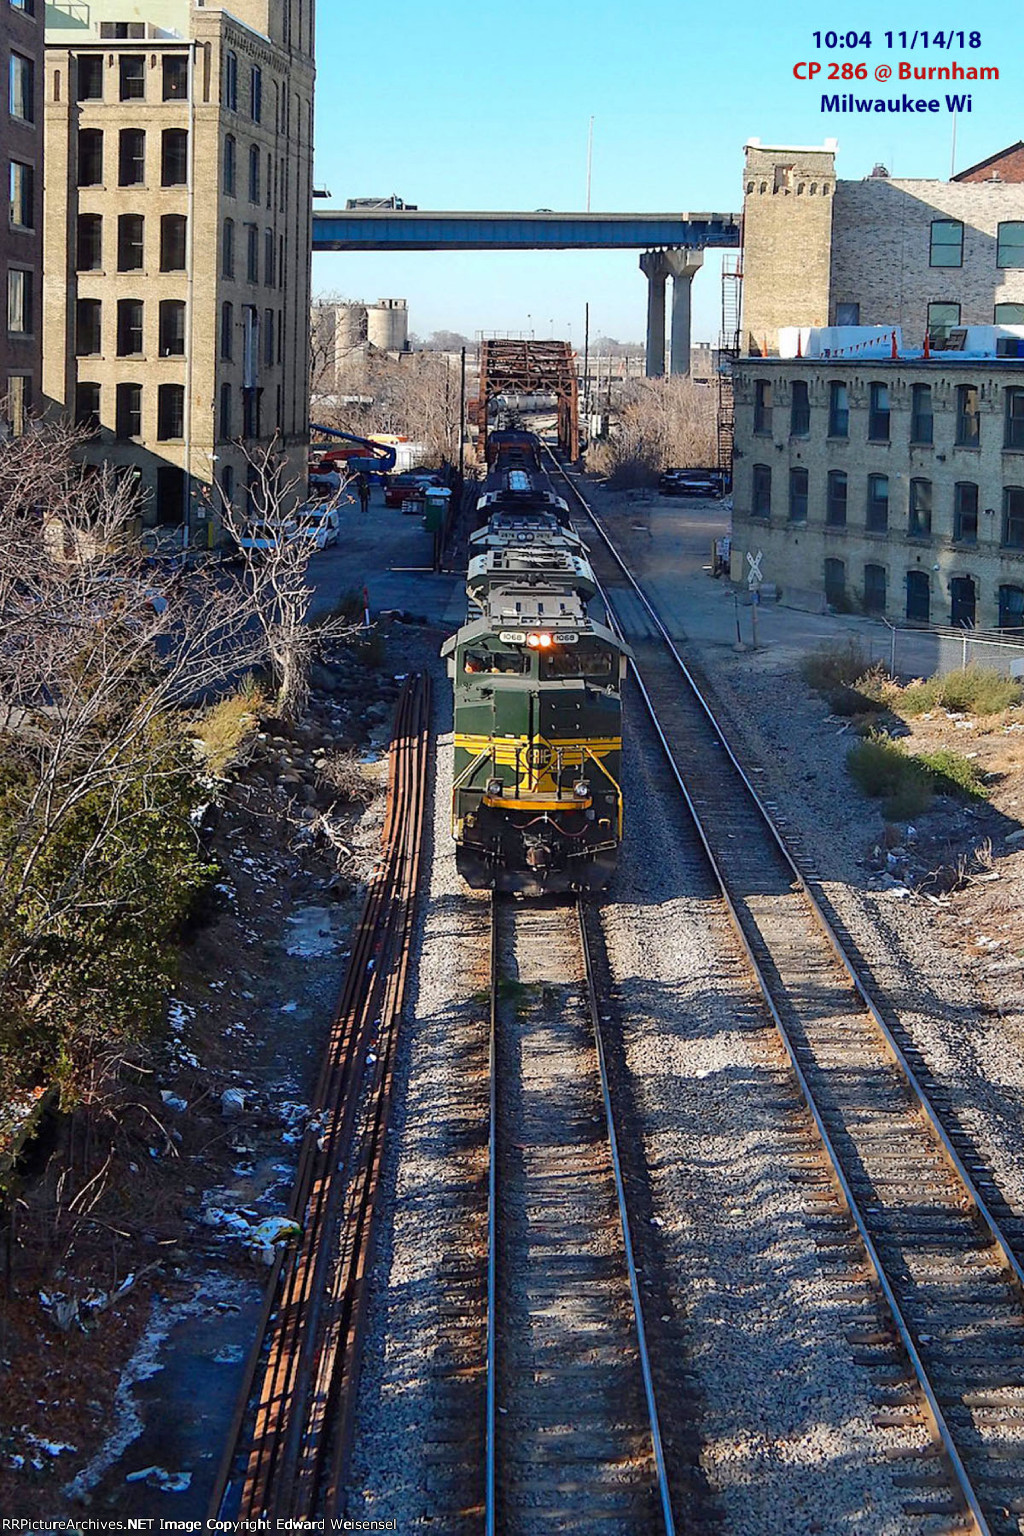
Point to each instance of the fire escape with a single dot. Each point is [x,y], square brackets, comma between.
[728,352]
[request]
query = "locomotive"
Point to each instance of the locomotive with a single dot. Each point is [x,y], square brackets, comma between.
[537,798]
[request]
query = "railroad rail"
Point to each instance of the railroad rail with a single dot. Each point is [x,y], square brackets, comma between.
[290,1439]
[946,1257]
[573,1436]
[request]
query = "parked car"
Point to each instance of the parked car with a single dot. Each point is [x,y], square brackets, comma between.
[266,535]
[411,482]
[318,524]
[691,482]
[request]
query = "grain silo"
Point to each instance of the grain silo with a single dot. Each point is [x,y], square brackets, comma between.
[387,325]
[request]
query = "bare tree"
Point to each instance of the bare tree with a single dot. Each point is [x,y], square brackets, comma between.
[660,422]
[416,397]
[96,664]
[277,579]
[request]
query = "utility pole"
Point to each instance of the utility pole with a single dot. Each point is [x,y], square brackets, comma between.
[462,418]
[586,359]
[590,157]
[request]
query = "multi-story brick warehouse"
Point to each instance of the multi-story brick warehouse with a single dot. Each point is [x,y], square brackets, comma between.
[21,163]
[178,238]
[920,254]
[896,487]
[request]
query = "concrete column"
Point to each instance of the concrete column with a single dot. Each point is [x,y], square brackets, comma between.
[655,268]
[683,265]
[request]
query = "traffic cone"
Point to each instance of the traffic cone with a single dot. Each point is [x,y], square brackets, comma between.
[894,352]
[927,348]
[799,343]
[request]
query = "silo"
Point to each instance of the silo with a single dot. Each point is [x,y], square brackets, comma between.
[388,325]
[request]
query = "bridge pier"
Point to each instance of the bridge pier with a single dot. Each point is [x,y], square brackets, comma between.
[658,267]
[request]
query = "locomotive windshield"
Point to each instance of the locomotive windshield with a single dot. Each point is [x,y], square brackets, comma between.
[583,660]
[477,662]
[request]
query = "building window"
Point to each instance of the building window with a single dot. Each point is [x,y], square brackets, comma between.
[254,173]
[922,421]
[133,77]
[835,582]
[231,81]
[268,338]
[965,512]
[170,412]
[128,421]
[90,77]
[88,329]
[230,165]
[941,320]
[847,314]
[173,240]
[175,77]
[874,588]
[1011,607]
[172,328]
[89,243]
[800,410]
[1013,435]
[1010,244]
[1013,517]
[174,158]
[878,504]
[270,180]
[19,402]
[228,253]
[1008,314]
[268,258]
[129,327]
[878,414]
[256,94]
[130,236]
[225,412]
[227,331]
[947,243]
[835,503]
[90,157]
[22,186]
[19,301]
[87,408]
[838,410]
[920,524]
[22,91]
[251,412]
[252,254]
[761,498]
[763,406]
[798,495]
[968,420]
[227,484]
[132,157]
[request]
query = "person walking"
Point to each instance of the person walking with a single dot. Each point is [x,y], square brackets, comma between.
[364,494]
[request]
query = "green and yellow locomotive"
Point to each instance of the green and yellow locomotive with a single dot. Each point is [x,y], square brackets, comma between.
[537,799]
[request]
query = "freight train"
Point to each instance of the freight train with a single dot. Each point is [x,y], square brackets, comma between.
[537,797]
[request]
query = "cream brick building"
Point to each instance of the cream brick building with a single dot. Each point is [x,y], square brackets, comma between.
[893,487]
[178,238]
[919,254]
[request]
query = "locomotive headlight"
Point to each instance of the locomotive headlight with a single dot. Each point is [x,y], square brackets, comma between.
[539,640]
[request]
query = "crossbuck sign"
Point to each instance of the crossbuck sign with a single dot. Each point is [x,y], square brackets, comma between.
[755,578]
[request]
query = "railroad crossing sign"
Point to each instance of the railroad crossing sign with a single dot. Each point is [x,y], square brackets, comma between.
[755,578]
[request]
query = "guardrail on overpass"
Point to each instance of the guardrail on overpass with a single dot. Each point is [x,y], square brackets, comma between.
[389,230]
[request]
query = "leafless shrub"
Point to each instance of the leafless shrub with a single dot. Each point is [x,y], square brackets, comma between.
[343,773]
[661,423]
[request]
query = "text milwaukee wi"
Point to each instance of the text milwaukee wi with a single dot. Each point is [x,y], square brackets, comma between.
[895,104]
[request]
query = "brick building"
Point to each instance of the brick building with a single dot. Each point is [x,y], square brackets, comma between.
[178,239]
[21,160]
[893,485]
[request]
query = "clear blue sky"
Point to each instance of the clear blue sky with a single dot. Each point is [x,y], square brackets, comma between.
[472,105]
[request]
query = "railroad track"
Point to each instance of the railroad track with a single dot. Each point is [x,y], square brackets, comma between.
[943,1247]
[290,1439]
[573,1439]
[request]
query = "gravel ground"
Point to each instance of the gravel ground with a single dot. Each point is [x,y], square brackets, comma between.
[415,1459]
[784,1405]
[963,1010]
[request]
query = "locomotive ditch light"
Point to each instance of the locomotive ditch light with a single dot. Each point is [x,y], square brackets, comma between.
[581,789]
[494,788]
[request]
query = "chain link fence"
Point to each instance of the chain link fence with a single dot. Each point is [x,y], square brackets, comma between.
[916,652]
